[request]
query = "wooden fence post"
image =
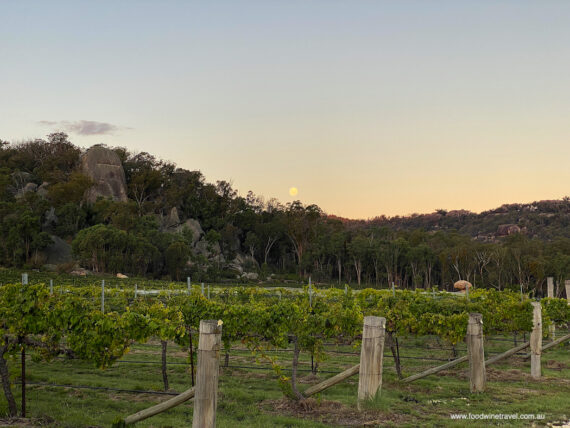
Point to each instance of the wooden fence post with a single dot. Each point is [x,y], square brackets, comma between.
[371,353]
[206,398]
[477,375]
[567,285]
[536,340]
[550,287]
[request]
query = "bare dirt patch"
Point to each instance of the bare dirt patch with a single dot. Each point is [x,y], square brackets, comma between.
[329,412]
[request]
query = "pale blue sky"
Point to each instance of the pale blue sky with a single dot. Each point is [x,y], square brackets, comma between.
[366,107]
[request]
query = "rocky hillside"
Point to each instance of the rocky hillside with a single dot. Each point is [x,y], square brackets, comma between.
[548,219]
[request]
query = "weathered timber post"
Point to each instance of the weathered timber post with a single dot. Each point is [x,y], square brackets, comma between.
[371,352]
[567,285]
[206,398]
[550,287]
[476,353]
[51,286]
[536,340]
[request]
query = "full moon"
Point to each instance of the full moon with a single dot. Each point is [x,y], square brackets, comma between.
[293,191]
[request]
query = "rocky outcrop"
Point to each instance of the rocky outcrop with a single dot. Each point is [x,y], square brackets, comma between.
[19,181]
[21,187]
[461,285]
[30,187]
[195,227]
[242,263]
[43,189]
[458,213]
[104,167]
[508,229]
[51,219]
[172,219]
[198,243]
[79,272]
[211,251]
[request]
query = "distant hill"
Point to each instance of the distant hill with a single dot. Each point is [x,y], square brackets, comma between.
[546,220]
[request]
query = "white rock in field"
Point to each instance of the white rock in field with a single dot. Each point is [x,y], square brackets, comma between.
[78,272]
[462,285]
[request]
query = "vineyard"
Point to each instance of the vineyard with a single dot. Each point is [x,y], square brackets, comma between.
[80,341]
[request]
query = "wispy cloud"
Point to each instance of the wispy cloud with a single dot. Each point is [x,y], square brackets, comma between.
[83,127]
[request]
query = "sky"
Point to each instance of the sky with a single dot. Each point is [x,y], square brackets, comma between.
[368,108]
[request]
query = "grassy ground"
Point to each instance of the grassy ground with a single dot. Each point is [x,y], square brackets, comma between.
[251,397]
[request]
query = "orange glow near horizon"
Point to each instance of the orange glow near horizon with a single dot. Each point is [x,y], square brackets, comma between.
[370,108]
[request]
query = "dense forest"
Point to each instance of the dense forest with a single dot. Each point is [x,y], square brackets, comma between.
[168,222]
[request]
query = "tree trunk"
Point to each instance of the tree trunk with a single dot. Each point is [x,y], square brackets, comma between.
[268,246]
[358,269]
[5,374]
[164,344]
[296,352]
[376,273]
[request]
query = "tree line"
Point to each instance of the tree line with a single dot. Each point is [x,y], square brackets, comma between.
[42,195]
